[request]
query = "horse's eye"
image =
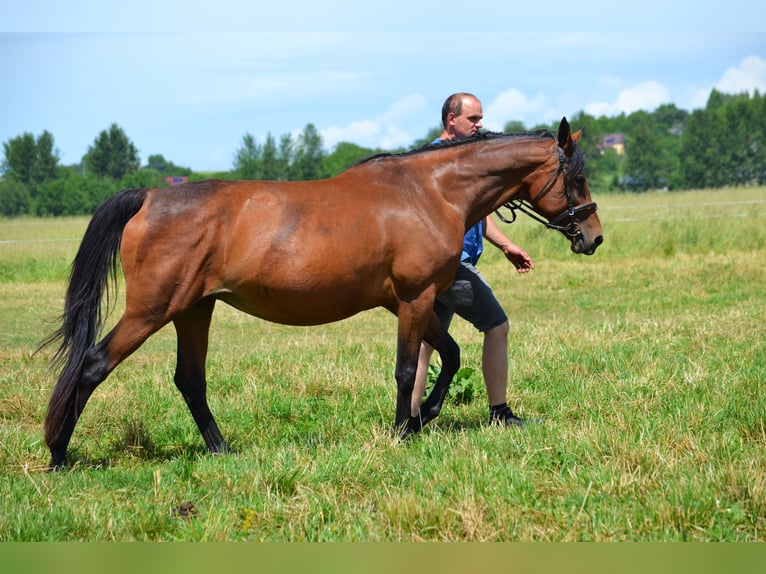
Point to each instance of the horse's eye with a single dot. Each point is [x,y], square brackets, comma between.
[580,179]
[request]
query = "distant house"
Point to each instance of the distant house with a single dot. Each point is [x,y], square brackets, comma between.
[176,179]
[614,141]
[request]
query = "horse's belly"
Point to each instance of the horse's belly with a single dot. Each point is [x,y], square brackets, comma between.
[303,307]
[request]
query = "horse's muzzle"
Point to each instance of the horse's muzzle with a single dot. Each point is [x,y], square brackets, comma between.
[581,246]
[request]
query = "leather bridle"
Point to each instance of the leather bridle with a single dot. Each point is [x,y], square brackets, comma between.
[566,221]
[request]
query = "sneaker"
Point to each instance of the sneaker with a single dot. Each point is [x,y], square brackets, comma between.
[506,418]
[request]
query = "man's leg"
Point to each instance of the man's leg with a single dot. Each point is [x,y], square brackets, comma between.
[421,377]
[494,363]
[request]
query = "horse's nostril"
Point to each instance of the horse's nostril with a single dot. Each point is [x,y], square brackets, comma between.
[598,241]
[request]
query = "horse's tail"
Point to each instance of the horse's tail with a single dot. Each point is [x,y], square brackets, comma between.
[93,275]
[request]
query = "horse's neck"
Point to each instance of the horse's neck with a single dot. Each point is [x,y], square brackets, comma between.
[478,181]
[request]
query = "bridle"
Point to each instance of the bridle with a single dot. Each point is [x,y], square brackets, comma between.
[566,222]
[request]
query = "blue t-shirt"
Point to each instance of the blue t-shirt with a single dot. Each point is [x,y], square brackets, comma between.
[473,242]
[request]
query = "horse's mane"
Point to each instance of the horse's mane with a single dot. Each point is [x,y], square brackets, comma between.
[483,136]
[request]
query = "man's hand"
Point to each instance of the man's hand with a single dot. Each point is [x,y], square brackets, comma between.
[513,253]
[520,258]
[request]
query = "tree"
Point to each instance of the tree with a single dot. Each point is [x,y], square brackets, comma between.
[73,193]
[267,161]
[644,168]
[652,149]
[514,127]
[670,117]
[112,154]
[46,158]
[343,157]
[14,198]
[696,151]
[284,156]
[271,167]
[603,165]
[19,158]
[248,159]
[758,142]
[724,143]
[431,135]
[142,179]
[30,161]
[308,154]
[736,119]
[158,163]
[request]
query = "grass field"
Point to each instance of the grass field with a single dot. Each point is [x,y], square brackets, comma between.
[645,364]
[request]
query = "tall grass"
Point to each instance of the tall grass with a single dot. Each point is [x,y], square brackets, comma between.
[645,364]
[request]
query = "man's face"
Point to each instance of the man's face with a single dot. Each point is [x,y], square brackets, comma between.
[468,123]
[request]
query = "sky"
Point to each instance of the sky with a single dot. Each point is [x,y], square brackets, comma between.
[188,80]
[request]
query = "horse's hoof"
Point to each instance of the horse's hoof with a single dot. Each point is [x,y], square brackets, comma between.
[57,466]
[414,424]
[221,449]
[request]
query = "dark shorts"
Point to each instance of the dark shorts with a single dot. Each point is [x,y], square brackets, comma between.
[472,299]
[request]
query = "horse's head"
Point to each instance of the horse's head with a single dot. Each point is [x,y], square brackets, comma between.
[569,208]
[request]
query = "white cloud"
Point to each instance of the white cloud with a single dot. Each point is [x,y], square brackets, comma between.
[400,125]
[644,96]
[749,76]
[512,105]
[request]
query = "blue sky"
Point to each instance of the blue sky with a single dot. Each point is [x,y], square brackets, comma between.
[188,81]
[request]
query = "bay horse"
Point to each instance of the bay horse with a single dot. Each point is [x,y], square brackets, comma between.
[387,232]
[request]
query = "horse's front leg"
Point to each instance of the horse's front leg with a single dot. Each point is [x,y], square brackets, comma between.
[413,317]
[406,367]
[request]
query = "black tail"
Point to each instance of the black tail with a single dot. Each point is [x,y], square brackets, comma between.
[93,275]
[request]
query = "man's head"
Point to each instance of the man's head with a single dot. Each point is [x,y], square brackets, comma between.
[461,116]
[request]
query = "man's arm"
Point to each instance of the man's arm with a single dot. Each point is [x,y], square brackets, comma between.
[515,254]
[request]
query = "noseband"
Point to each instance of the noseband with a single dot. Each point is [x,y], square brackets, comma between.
[566,222]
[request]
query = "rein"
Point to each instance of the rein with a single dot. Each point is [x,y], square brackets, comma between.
[571,228]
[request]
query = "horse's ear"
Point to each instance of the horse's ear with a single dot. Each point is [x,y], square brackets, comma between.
[567,139]
[565,135]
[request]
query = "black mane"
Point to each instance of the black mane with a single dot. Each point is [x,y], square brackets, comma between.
[483,136]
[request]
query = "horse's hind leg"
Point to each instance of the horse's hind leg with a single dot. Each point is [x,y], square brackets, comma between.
[193,329]
[449,352]
[62,416]
[77,382]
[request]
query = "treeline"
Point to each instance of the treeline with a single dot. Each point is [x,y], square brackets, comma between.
[669,148]
[34,183]
[721,145]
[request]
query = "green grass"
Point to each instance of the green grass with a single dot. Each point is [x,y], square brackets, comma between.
[645,364]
